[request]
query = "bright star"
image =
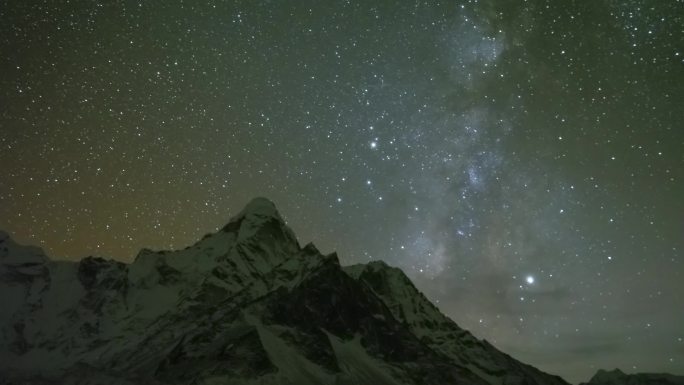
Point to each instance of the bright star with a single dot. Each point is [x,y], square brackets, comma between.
[529,279]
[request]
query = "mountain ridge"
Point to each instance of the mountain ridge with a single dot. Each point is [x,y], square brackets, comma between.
[245,305]
[618,377]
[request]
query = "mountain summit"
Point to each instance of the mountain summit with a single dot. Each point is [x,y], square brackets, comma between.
[617,377]
[244,305]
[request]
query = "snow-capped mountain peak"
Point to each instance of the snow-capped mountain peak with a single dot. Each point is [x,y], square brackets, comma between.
[618,377]
[243,305]
[12,253]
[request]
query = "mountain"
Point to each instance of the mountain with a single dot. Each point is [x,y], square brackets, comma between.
[244,305]
[617,377]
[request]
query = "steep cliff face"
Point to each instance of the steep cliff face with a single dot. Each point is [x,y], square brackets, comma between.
[246,305]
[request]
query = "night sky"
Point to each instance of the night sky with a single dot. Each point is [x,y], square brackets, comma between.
[522,161]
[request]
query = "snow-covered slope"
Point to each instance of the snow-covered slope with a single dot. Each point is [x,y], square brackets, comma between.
[246,305]
[425,321]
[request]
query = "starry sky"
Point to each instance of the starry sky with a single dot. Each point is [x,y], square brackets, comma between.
[522,161]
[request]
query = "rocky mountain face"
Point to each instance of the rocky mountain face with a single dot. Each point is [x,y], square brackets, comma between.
[617,377]
[246,305]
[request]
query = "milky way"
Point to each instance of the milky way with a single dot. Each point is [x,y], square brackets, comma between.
[523,163]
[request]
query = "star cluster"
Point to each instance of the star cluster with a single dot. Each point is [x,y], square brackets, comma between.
[522,162]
